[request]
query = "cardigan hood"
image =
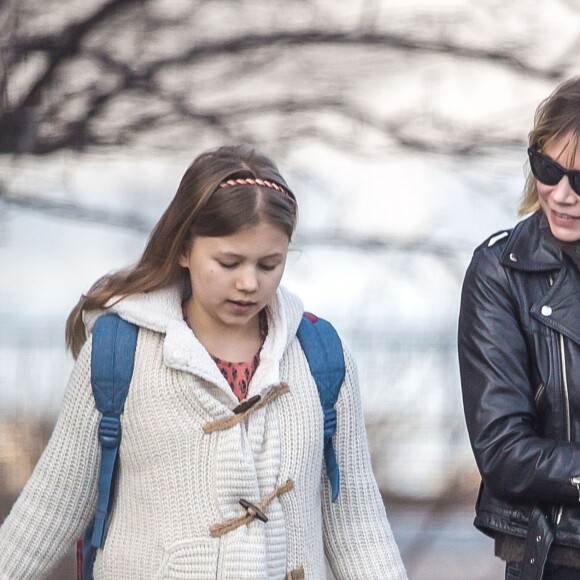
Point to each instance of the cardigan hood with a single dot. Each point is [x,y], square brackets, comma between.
[160,311]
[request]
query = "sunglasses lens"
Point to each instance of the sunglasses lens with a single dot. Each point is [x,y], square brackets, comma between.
[574,179]
[545,170]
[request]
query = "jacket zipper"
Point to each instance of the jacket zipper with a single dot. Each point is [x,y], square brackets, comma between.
[574,480]
[539,393]
[566,408]
[565,385]
[566,401]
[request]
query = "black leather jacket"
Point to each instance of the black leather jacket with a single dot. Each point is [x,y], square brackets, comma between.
[519,355]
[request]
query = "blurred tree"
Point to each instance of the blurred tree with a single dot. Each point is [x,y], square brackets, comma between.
[159,73]
[372,76]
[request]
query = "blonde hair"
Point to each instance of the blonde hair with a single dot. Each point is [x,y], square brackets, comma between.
[200,207]
[555,116]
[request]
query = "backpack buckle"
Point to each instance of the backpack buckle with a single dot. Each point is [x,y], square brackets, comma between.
[110,431]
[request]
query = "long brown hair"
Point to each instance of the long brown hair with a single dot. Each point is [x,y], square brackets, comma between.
[555,116]
[200,207]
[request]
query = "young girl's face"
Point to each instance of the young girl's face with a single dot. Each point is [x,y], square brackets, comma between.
[233,277]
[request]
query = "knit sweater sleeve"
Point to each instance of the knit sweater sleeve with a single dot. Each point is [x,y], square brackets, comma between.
[359,543]
[58,500]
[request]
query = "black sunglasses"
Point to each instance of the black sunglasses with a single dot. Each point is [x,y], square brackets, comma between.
[548,172]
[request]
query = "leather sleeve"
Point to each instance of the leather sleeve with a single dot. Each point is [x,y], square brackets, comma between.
[498,396]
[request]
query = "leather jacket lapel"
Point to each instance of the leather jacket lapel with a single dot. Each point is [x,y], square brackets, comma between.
[530,247]
[560,307]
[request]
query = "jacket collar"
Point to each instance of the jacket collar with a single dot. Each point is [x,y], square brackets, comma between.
[160,311]
[530,246]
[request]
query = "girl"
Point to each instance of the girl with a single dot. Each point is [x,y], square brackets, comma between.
[205,295]
[519,354]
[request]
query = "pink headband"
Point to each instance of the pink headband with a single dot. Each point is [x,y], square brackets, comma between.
[256,181]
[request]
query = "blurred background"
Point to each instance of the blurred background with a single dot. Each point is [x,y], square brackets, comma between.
[401,126]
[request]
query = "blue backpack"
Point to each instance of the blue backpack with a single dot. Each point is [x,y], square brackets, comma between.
[113,358]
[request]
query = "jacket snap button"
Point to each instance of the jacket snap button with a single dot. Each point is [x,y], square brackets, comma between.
[532,560]
[513,258]
[538,538]
[546,310]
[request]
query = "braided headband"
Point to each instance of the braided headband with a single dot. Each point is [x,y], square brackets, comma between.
[257,181]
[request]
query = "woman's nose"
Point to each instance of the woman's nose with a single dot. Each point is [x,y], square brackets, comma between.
[563,193]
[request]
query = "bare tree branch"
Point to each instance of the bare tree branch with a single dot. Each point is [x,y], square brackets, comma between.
[36,119]
[376,40]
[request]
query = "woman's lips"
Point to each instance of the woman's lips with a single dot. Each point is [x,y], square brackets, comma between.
[564,217]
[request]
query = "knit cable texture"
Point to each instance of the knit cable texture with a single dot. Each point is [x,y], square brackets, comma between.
[175,481]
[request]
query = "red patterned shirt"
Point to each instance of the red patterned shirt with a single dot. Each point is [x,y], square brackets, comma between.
[239,374]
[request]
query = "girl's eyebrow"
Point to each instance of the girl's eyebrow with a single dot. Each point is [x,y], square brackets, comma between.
[226,254]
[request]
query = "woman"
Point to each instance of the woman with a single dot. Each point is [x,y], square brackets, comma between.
[519,355]
[216,331]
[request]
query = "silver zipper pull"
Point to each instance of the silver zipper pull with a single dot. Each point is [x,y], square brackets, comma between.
[576,481]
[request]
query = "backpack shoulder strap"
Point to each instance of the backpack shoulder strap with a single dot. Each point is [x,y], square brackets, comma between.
[323,349]
[112,361]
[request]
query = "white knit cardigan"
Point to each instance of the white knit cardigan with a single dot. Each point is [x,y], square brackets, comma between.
[177,481]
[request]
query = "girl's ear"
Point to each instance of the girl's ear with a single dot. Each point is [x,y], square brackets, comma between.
[185,253]
[184,260]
